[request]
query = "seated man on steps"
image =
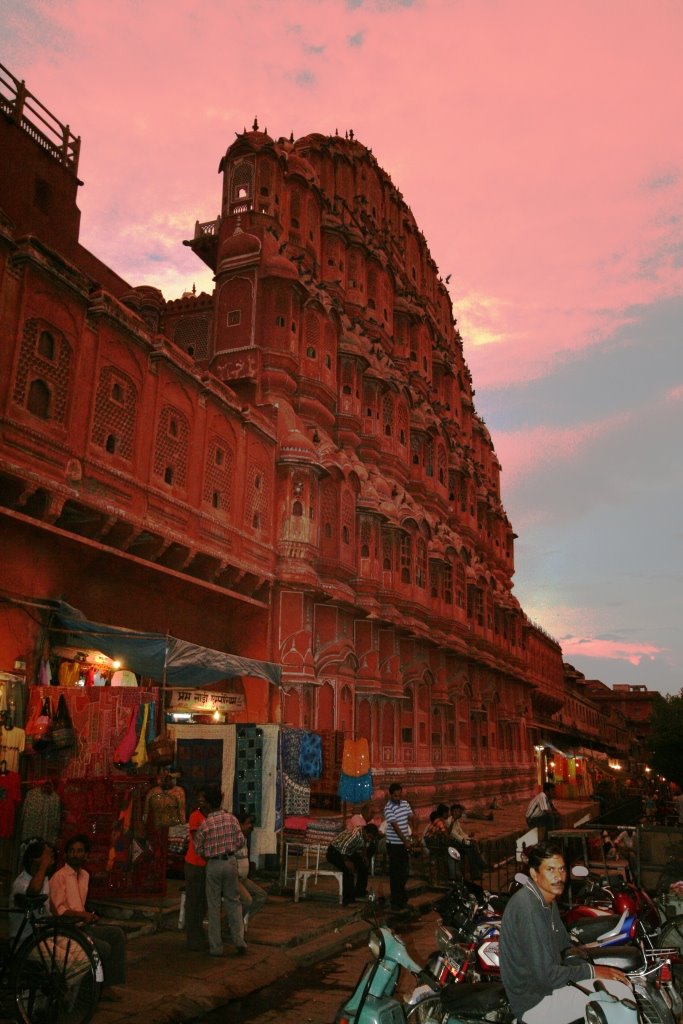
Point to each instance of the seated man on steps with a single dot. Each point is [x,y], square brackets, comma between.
[348,853]
[68,896]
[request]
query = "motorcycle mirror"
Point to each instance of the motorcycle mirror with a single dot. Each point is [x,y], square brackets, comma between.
[580,871]
[453,853]
[521,878]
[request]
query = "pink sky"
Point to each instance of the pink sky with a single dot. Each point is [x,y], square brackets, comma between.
[538,145]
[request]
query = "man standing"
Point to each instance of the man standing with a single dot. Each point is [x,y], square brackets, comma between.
[540,987]
[398,815]
[68,895]
[195,881]
[541,812]
[218,839]
[252,896]
[348,853]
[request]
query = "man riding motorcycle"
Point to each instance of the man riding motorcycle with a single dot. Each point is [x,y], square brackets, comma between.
[539,985]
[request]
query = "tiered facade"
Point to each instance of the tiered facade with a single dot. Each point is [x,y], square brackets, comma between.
[292,468]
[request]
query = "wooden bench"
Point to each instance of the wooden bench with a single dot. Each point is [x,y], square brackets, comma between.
[304,874]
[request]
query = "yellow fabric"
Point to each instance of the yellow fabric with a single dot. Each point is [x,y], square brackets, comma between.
[140,753]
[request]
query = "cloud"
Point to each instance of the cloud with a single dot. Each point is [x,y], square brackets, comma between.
[615,650]
[356,39]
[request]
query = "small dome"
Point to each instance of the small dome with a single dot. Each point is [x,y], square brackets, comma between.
[239,246]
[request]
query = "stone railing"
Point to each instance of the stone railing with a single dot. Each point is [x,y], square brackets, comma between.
[29,113]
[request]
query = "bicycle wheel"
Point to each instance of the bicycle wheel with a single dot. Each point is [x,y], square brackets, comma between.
[54,977]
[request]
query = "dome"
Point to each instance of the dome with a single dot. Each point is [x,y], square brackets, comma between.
[279,266]
[298,165]
[239,246]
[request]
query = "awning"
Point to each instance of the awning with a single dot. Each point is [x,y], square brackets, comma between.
[165,658]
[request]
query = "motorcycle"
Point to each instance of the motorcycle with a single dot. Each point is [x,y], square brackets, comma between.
[373,1000]
[467,936]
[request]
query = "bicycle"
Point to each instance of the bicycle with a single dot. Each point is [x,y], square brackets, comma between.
[50,971]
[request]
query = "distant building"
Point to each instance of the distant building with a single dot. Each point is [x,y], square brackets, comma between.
[291,468]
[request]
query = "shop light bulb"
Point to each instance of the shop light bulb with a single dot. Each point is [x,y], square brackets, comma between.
[116,664]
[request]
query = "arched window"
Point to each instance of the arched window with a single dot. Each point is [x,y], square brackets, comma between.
[46,345]
[39,399]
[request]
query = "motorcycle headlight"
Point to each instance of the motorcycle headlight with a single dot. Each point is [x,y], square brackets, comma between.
[444,938]
[376,945]
[594,1014]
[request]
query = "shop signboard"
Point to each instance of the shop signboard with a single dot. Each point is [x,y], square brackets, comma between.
[206,701]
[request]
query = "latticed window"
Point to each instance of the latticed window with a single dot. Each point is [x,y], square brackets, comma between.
[403,429]
[435,579]
[115,412]
[421,563]
[242,185]
[406,558]
[365,536]
[441,464]
[191,333]
[429,456]
[348,525]
[460,584]
[387,551]
[219,475]
[415,449]
[258,504]
[448,583]
[52,371]
[388,415]
[329,518]
[311,333]
[172,446]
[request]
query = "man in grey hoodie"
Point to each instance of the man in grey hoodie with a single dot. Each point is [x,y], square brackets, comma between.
[540,987]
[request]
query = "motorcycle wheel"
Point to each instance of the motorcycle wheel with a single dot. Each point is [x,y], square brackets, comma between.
[652,1008]
[671,936]
[427,1011]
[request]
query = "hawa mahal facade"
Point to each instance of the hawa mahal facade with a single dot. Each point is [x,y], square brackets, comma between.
[290,469]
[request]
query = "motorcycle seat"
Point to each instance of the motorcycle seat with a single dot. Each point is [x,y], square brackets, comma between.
[477,998]
[626,958]
[588,929]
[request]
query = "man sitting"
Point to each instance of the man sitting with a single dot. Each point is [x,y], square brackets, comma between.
[32,881]
[68,895]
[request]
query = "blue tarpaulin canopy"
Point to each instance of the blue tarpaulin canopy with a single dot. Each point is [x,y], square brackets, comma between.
[165,658]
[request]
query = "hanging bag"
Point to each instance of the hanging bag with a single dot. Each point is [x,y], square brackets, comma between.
[42,730]
[63,735]
[127,743]
[161,751]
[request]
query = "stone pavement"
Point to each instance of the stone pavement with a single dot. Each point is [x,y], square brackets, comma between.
[168,985]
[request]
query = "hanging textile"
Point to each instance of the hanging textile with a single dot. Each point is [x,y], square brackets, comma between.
[10,798]
[41,814]
[139,755]
[355,789]
[356,757]
[311,756]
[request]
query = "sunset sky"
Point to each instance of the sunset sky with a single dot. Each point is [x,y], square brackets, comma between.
[540,148]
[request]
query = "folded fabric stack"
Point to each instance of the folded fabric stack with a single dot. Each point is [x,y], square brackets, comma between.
[323,830]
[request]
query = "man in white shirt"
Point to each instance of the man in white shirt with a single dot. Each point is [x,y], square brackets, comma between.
[32,881]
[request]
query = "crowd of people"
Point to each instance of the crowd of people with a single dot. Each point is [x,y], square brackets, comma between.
[394,835]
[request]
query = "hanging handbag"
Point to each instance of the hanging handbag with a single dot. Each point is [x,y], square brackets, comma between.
[42,729]
[161,751]
[63,735]
[127,743]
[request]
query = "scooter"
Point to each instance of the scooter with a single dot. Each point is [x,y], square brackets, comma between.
[373,1000]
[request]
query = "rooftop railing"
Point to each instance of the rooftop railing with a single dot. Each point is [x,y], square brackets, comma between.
[28,112]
